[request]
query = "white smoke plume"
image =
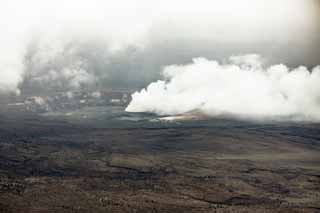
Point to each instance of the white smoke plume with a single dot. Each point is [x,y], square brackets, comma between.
[242,87]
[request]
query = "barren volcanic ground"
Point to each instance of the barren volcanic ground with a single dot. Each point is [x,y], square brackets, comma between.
[65,164]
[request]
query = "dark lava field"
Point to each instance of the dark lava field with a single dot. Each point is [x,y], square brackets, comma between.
[122,162]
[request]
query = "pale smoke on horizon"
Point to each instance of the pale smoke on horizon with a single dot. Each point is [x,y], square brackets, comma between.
[241,88]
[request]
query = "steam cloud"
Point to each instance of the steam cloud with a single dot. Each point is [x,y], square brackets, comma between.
[242,87]
[65,45]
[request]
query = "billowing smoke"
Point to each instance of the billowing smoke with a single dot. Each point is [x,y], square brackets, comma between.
[72,45]
[241,87]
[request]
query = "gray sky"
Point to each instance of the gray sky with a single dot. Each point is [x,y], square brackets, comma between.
[65,45]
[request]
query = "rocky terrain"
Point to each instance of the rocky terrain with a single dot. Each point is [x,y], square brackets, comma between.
[54,165]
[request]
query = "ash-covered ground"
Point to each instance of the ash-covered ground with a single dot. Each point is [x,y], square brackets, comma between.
[86,154]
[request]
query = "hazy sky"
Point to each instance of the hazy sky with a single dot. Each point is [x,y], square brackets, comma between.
[64,45]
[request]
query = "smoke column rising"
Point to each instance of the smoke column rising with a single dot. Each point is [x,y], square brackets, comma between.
[242,88]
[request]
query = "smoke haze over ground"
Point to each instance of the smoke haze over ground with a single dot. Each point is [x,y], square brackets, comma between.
[68,45]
